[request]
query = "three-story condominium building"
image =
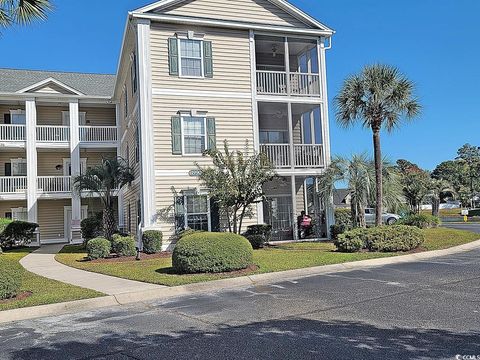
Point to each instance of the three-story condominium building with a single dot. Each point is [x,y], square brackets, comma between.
[191,74]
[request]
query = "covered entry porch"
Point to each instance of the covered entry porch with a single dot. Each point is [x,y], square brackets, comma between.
[285,199]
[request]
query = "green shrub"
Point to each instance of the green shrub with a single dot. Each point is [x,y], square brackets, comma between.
[124,245]
[422,221]
[91,226]
[10,278]
[187,232]
[336,230]
[4,223]
[208,252]
[383,239]
[98,248]
[257,241]
[343,217]
[258,235]
[18,233]
[351,241]
[152,241]
[394,238]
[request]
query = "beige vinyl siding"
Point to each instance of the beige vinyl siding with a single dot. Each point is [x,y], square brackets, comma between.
[95,116]
[231,60]
[6,206]
[47,161]
[5,109]
[131,195]
[255,11]
[53,89]
[51,218]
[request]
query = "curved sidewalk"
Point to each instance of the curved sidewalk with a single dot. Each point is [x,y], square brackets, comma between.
[42,262]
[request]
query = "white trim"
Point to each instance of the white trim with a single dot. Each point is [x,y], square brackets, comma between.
[145,122]
[17,112]
[230,24]
[67,162]
[284,5]
[48,81]
[167,173]
[18,161]
[201,93]
[31,156]
[19,210]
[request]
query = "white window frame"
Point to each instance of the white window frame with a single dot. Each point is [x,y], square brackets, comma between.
[17,211]
[17,112]
[125,102]
[185,212]
[182,120]
[17,162]
[133,72]
[202,58]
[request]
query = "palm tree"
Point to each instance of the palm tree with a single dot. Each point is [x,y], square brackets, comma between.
[23,12]
[104,180]
[356,173]
[379,97]
[437,187]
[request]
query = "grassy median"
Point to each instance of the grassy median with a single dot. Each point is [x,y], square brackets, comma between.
[284,257]
[37,290]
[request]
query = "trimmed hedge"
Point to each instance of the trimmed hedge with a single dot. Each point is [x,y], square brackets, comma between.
[208,252]
[98,248]
[18,233]
[124,245]
[258,235]
[343,222]
[152,241]
[383,239]
[422,221]
[11,275]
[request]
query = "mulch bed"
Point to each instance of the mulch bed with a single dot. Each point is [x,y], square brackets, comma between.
[117,259]
[21,296]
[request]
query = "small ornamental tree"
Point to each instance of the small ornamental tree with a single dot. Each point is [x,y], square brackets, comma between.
[235,182]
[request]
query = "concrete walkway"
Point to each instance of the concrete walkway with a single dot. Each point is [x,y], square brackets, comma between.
[42,262]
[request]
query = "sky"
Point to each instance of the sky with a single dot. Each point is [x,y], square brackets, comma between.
[435,43]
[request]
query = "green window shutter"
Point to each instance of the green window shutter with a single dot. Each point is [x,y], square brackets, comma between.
[176,135]
[208,59]
[173,56]
[211,134]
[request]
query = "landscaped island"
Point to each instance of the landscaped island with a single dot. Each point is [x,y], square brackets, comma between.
[158,268]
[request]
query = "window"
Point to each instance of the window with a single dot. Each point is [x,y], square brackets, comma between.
[274,137]
[125,103]
[20,214]
[193,212]
[133,73]
[139,212]
[194,135]
[127,155]
[18,117]
[82,118]
[129,218]
[191,58]
[137,145]
[19,167]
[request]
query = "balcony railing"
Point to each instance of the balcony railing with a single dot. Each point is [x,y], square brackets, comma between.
[98,133]
[50,133]
[278,83]
[13,184]
[306,155]
[54,184]
[10,132]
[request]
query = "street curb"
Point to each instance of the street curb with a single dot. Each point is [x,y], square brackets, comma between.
[219,285]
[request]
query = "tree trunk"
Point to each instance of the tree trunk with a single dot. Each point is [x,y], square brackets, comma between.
[109,223]
[378,176]
[435,206]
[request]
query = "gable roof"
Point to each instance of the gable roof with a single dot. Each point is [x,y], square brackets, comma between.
[283,4]
[21,81]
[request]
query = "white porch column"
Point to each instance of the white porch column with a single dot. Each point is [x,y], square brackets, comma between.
[120,202]
[146,126]
[75,169]
[294,206]
[292,168]
[329,210]
[31,155]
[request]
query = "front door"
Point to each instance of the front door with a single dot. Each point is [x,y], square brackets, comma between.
[68,220]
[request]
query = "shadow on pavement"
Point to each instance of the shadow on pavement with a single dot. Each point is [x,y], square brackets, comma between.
[279,339]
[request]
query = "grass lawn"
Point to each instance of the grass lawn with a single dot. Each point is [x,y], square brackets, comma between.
[283,257]
[44,291]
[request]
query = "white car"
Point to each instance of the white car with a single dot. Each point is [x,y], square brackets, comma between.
[387,218]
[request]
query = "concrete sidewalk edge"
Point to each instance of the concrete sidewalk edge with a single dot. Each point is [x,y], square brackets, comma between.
[219,285]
